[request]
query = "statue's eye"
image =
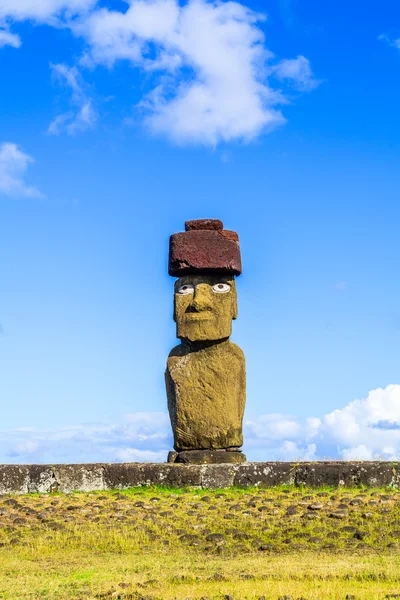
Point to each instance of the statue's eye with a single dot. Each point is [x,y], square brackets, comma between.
[185,289]
[221,288]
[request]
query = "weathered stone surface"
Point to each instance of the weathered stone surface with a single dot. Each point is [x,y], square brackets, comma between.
[265,474]
[204,307]
[172,475]
[118,476]
[199,224]
[205,376]
[25,478]
[209,457]
[172,456]
[22,479]
[218,476]
[204,250]
[206,391]
[335,473]
[86,478]
[46,478]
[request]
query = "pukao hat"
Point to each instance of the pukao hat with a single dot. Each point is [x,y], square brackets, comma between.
[204,247]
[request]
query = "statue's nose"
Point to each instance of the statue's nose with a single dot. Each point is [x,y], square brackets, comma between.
[201,298]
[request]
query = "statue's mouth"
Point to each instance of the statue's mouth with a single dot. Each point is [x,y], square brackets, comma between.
[204,315]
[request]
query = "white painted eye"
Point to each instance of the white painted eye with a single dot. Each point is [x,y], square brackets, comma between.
[186,289]
[221,288]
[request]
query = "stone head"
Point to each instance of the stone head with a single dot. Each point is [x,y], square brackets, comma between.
[204,306]
[206,258]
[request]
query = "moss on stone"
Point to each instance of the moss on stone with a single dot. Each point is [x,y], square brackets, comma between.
[206,391]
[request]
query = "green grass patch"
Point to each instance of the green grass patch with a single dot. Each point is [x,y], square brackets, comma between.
[175,544]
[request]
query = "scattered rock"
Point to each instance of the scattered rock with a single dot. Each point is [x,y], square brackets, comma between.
[217,538]
[316,506]
[191,539]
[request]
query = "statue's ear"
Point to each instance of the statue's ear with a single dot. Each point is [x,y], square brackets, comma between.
[234,305]
[174,315]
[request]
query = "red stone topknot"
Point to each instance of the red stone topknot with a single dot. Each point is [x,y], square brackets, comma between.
[204,247]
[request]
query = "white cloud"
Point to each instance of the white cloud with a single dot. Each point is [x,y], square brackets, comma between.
[113,35]
[84,115]
[385,38]
[69,75]
[298,71]
[206,61]
[366,429]
[43,11]
[133,455]
[373,422]
[140,437]
[24,448]
[360,452]
[291,451]
[212,60]
[275,427]
[9,39]
[13,165]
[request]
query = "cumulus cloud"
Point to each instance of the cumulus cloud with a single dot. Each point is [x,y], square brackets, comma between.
[298,71]
[282,437]
[359,423]
[84,115]
[43,11]
[290,450]
[209,67]
[213,62]
[360,452]
[9,39]
[366,429]
[13,165]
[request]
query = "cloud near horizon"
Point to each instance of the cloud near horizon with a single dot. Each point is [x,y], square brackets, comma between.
[141,437]
[213,78]
[366,429]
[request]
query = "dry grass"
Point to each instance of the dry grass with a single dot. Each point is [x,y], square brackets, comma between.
[133,545]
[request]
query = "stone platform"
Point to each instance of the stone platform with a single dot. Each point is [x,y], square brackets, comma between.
[22,479]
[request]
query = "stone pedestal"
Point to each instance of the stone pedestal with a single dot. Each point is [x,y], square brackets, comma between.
[207,457]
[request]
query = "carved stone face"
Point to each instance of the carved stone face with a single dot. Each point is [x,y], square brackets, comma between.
[204,307]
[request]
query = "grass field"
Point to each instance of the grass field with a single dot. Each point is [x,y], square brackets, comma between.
[158,544]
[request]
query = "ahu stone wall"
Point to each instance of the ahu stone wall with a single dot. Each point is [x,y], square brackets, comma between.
[22,479]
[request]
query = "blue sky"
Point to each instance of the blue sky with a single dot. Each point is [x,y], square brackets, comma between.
[118,122]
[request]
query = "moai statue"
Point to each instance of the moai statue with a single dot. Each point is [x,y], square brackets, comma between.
[206,374]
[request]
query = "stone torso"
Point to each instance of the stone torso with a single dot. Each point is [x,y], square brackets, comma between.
[206,395]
